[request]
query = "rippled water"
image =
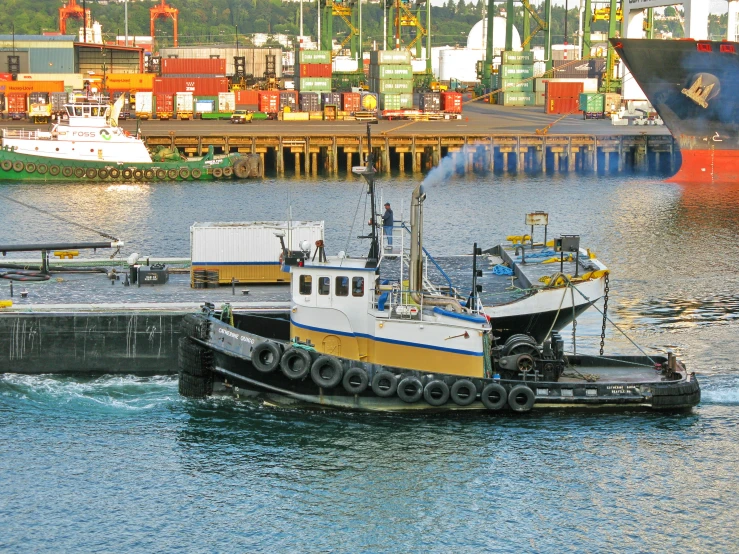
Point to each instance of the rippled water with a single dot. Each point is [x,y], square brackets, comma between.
[124,464]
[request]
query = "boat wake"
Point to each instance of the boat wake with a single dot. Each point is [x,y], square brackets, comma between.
[107,393]
[718,390]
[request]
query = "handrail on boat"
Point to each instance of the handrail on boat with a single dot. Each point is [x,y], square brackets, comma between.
[433,261]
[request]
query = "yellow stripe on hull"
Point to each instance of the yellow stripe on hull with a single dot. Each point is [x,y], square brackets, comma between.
[251,273]
[389,354]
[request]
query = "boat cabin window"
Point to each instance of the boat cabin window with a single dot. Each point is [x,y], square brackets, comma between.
[342,286]
[95,110]
[306,284]
[78,111]
[324,285]
[358,286]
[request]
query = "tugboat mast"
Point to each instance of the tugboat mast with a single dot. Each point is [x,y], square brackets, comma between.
[369,174]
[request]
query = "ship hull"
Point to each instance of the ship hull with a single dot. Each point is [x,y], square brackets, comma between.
[692,86]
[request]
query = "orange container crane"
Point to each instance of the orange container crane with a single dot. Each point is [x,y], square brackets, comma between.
[163,11]
[75,11]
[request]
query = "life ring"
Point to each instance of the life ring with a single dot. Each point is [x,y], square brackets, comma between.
[355,380]
[172,174]
[521,398]
[149,174]
[30,167]
[103,173]
[184,173]
[196,173]
[265,357]
[228,171]
[326,372]
[494,396]
[161,174]
[42,169]
[67,171]
[54,170]
[18,166]
[295,363]
[463,392]
[79,172]
[384,384]
[7,165]
[410,389]
[436,392]
[138,174]
[91,173]
[115,173]
[217,172]
[127,174]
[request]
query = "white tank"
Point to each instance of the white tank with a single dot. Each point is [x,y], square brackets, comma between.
[478,35]
[459,63]
[344,64]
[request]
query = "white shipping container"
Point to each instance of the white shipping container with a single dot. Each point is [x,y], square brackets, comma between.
[73,80]
[226,101]
[183,102]
[143,105]
[248,242]
[589,85]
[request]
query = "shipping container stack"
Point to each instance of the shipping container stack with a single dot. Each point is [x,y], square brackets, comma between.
[516,79]
[563,97]
[391,78]
[203,78]
[312,78]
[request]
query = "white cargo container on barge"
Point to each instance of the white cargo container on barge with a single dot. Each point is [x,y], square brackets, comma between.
[248,251]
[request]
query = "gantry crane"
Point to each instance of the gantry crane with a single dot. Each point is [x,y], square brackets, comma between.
[163,11]
[74,11]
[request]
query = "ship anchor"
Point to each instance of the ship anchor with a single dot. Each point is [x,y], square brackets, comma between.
[698,93]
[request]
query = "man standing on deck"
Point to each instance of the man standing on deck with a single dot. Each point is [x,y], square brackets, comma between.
[387,224]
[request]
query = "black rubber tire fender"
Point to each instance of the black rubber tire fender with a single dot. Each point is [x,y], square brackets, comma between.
[295,363]
[217,172]
[43,169]
[326,371]
[410,389]
[67,171]
[521,398]
[149,174]
[30,167]
[127,173]
[54,170]
[384,384]
[6,165]
[103,173]
[91,173]
[196,173]
[161,174]
[266,357]
[115,173]
[228,171]
[184,173]
[463,392]
[171,174]
[494,396]
[355,380]
[18,166]
[241,168]
[193,386]
[436,392]
[138,174]
[79,172]
[194,359]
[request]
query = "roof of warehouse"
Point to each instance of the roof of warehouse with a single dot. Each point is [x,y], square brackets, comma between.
[39,38]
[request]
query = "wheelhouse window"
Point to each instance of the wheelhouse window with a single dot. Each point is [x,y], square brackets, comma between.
[324,285]
[342,286]
[305,284]
[357,286]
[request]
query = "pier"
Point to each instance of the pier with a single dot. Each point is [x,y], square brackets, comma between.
[328,154]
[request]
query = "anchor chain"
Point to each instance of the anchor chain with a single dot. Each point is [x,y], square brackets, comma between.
[605,316]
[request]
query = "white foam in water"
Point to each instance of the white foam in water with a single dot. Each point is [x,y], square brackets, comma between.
[720,396]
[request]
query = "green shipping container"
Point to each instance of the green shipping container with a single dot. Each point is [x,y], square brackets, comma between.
[383,86]
[514,85]
[406,101]
[518,58]
[389,101]
[517,71]
[592,102]
[517,98]
[391,72]
[390,57]
[314,56]
[314,84]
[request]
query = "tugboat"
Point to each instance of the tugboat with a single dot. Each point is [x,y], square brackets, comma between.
[88,145]
[355,341]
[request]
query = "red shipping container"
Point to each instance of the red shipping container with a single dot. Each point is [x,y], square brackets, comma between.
[247,97]
[202,66]
[199,86]
[315,70]
[566,89]
[351,102]
[451,102]
[269,101]
[563,106]
[16,103]
[6,76]
[165,103]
